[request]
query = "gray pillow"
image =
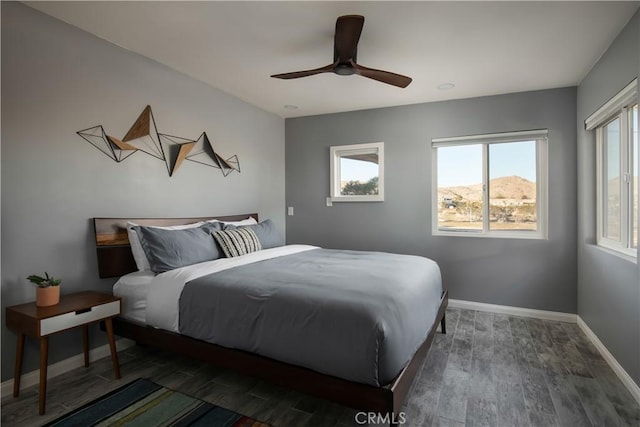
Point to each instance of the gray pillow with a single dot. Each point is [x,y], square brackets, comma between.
[266,232]
[170,249]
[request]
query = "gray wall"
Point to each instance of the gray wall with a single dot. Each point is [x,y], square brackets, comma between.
[608,286]
[539,274]
[57,80]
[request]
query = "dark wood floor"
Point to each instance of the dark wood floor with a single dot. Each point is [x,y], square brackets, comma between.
[490,369]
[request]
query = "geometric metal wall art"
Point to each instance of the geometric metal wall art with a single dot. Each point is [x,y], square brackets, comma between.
[203,153]
[172,150]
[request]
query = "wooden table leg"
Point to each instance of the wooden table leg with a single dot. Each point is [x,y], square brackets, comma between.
[85,344]
[44,356]
[112,345]
[17,373]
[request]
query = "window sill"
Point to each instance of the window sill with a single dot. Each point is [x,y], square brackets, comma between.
[625,256]
[340,199]
[493,235]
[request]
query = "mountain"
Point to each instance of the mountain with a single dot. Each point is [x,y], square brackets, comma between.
[506,187]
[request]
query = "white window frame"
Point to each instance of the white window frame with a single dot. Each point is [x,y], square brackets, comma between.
[540,137]
[336,152]
[617,107]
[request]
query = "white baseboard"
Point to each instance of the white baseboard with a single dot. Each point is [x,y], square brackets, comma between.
[66,365]
[626,379]
[514,311]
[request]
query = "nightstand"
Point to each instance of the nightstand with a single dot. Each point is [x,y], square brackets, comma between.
[74,310]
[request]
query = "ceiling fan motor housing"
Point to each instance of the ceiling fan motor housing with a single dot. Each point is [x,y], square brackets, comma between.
[344,68]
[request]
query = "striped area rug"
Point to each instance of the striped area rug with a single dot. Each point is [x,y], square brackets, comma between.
[144,403]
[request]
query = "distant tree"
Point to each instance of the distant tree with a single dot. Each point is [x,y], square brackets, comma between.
[501,213]
[470,209]
[357,188]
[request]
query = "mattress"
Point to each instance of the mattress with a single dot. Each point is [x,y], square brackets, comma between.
[133,288]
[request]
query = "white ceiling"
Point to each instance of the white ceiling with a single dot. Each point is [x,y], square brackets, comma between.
[484,48]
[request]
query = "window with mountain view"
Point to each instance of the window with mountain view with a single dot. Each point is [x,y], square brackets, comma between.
[490,185]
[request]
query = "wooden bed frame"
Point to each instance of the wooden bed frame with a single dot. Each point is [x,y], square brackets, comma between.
[116,259]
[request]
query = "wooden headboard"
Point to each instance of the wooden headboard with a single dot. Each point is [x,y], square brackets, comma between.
[112,243]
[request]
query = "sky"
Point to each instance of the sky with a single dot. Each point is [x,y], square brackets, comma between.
[636,141]
[462,165]
[612,149]
[357,170]
[612,154]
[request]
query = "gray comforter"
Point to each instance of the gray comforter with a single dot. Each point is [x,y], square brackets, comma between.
[355,315]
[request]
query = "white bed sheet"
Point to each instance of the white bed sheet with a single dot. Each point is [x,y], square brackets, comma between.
[133,288]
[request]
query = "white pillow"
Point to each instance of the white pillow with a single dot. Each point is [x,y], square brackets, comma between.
[249,221]
[136,247]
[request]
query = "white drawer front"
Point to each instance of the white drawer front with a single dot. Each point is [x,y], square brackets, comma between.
[69,320]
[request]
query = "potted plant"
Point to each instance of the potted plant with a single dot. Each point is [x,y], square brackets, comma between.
[47,290]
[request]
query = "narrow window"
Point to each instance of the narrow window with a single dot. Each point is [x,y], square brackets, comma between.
[616,128]
[611,180]
[635,164]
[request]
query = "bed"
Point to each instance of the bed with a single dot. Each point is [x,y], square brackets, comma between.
[378,386]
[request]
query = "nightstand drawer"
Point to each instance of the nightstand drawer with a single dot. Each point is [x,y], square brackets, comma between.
[77,318]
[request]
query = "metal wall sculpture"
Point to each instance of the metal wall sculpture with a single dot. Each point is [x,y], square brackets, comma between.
[173,150]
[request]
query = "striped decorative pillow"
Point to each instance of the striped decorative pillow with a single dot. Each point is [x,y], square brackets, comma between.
[236,242]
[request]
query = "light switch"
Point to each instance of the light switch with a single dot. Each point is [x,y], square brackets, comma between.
[329,202]
[290,211]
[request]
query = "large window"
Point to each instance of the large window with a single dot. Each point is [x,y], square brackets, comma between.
[616,127]
[491,185]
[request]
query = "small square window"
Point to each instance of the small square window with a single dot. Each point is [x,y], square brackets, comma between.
[357,173]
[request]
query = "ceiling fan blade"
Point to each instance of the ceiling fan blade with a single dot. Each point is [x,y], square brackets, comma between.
[382,76]
[298,74]
[348,30]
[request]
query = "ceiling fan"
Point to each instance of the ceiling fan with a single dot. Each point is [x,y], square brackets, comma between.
[348,30]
